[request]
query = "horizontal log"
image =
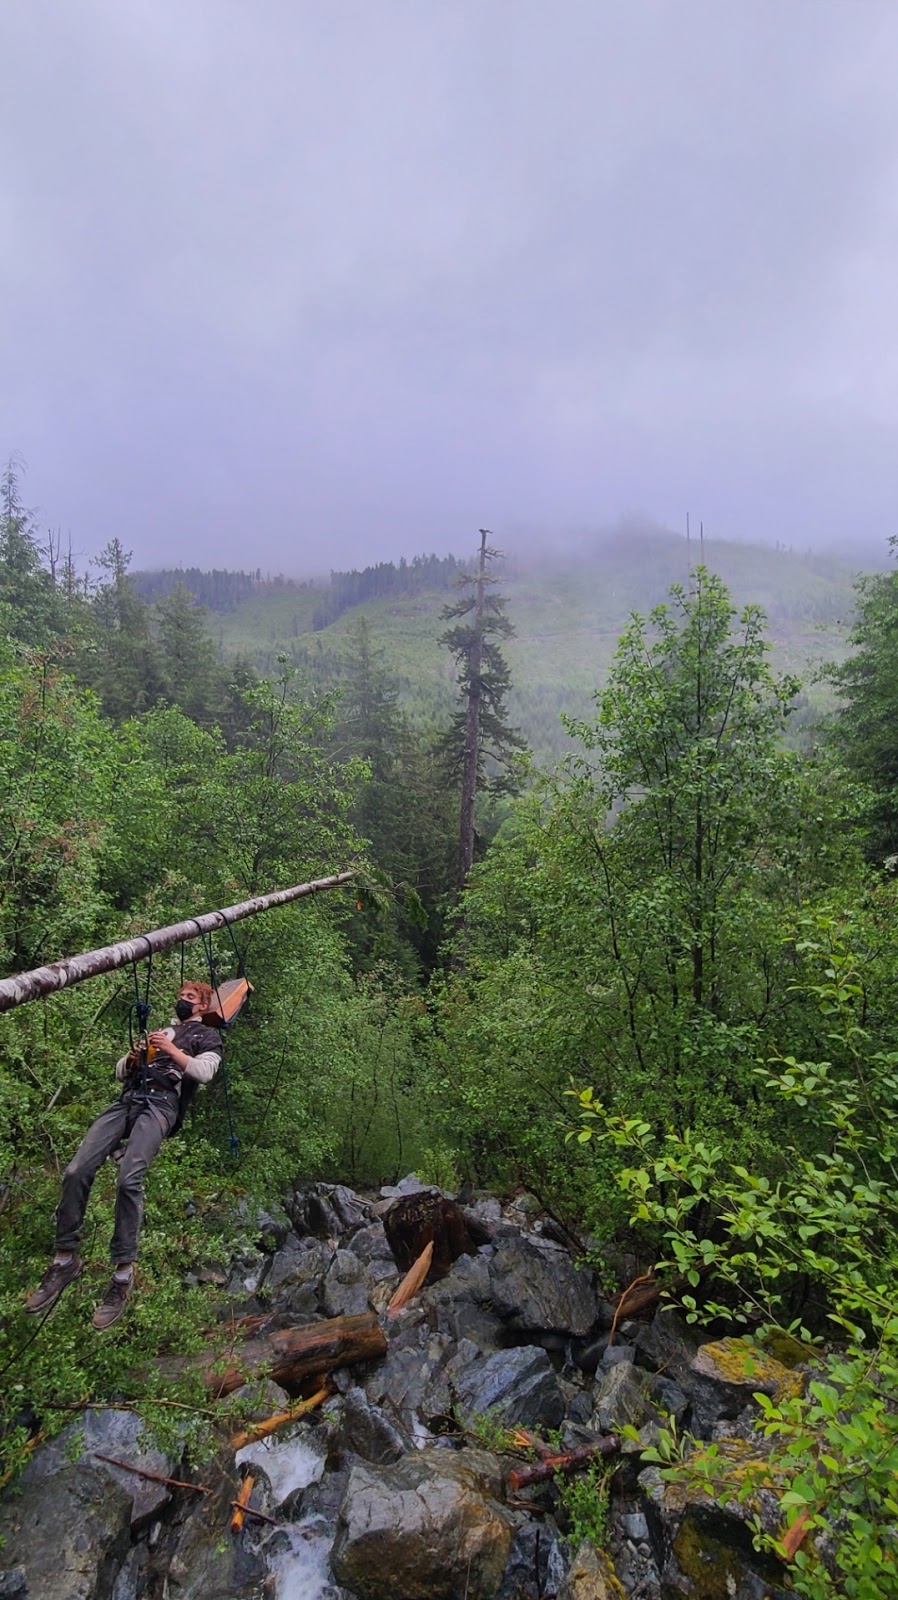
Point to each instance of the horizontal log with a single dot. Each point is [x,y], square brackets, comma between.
[291,1355]
[25,986]
[544,1471]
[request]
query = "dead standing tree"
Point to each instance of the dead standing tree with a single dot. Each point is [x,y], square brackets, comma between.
[480,743]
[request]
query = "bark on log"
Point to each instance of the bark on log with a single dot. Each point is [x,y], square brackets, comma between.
[524,1477]
[417,1220]
[291,1355]
[25,986]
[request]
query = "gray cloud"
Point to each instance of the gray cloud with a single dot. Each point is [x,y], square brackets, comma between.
[306,284]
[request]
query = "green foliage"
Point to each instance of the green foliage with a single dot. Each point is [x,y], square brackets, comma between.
[867,683]
[828,1220]
[628,920]
[585,1498]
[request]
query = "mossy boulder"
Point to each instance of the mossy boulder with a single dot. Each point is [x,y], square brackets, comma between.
[700,1525]
[724,1376]
[591,1577]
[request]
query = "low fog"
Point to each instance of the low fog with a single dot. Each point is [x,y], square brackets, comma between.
[310,286]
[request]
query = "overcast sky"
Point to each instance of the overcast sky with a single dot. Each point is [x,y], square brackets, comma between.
[308,283]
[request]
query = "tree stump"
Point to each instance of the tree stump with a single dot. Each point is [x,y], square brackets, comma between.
[417,1220]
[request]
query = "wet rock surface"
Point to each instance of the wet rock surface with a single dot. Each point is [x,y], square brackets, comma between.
[429,1528]
[393,1490]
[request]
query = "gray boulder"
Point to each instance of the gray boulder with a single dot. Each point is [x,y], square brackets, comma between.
[371,1247]
[329,1211]
[535,1286]
[462,1303]
[667,1344]
[620,1398]
[271,1228]
[536,1566]
[108,1433]
[346,1287]
[518,1385]
[67,1535]
[369,1432]
[410,1382]
[428,1528]
[297,1274]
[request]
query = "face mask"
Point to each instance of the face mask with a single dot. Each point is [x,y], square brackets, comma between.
[183,1010]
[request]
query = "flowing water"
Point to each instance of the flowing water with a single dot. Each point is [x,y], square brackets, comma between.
[301,1571]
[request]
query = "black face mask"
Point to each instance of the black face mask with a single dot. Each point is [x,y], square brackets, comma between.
[183,1010]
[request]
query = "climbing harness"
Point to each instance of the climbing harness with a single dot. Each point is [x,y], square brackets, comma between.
[229,998]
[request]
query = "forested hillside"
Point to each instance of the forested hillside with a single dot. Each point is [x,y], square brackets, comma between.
[569,608]
[665,1006]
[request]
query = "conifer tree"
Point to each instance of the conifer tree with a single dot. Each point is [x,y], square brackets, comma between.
[479,745]
[124,665]
[26,588]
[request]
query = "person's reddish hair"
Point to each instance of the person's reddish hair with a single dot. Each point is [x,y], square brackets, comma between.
[204,990]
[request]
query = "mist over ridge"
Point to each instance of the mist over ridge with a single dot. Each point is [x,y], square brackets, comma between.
[315,286]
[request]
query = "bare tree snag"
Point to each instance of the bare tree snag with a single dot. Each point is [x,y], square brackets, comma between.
[291,1355]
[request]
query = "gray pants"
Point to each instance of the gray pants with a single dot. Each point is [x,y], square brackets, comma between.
[144,1121]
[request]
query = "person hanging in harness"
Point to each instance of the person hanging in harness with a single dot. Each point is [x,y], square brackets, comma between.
[157,1084]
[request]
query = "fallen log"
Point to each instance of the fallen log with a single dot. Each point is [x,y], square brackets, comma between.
[543,1471]
[291,1355]
[263,1430]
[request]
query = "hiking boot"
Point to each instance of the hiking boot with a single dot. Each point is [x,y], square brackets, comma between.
[113,1302]
[57,1277]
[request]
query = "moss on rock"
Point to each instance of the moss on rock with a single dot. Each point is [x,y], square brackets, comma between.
[746,1365]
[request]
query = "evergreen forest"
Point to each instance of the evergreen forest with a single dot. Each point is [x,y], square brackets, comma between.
[663,999]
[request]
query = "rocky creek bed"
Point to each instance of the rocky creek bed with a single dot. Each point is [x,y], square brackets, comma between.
[393,1490]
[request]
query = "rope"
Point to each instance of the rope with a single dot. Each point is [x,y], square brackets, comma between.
[240,954]
[206,940]
[142,1009]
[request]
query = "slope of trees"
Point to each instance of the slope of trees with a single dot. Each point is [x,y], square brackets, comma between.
[347,589]
[680,948]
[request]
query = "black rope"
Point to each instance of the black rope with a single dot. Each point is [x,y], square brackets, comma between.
[141,1012]
[240,954]
[206,941]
